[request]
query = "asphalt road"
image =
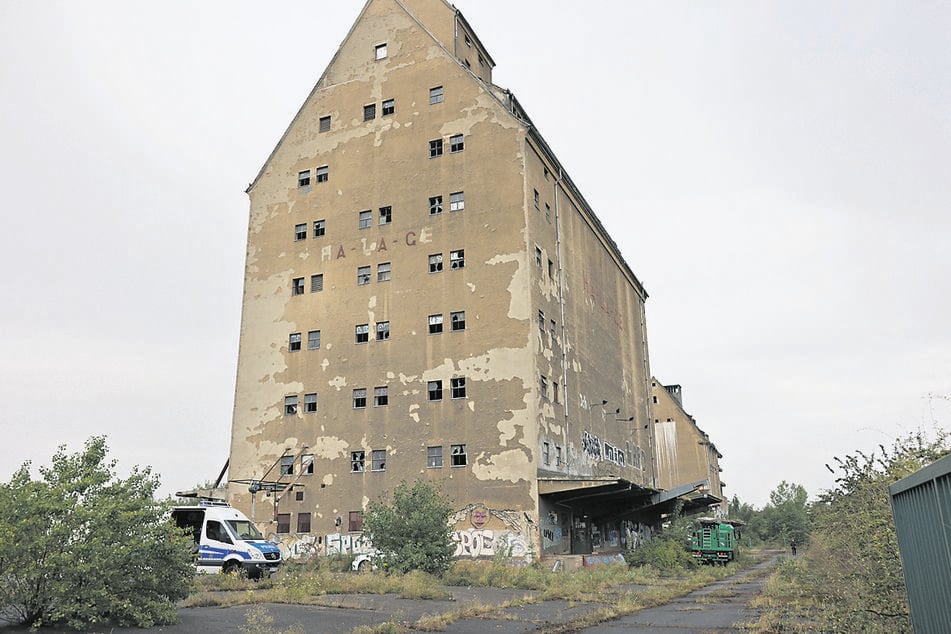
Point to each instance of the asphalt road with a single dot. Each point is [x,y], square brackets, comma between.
[713,609]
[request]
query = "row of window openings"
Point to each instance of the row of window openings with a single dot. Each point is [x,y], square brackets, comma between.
[322,174]
[543,389]
[538,263]
[552,326]
[457,322]
[457,202]
[434,458]
[381,396]
[387,107]
[537,200]
[547,456]
[304,524]
[384,271]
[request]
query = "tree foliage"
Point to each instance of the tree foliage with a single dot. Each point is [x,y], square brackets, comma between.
[412,532]
[786,518]
[854,560]
[80,546]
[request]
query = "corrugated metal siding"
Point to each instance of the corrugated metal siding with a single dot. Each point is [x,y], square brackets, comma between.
[922,507]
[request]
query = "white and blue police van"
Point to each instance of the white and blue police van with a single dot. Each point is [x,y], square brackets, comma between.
[226,540]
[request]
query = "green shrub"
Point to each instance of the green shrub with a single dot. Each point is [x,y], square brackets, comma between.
[413,532]
[80,546]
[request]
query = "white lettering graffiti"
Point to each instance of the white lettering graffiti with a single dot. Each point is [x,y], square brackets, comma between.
[485,542]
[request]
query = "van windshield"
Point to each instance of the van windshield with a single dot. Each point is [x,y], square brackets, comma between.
[244,529]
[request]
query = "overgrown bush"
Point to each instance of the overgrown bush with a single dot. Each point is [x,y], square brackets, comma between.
[667,551]
[80,546]
[412,531]
[853,560]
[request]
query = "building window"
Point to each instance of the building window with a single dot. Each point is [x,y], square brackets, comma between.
[434,457]
[458,453]
[317,283]
[323,174]
[457,259]
[546,453]
[357,462]
[283,523]
[355,523]
[293,342]
[382,330]
[303,522]
[381,396]
[300,232]
[325,124]
[554,392]
[536,198]
[435,263]
[435,148]
[303,178]
[363,275]
[320,228]
[310,403]
[457,320]
[297,286]
[369,112]
[380,51]
[547,212]
[363,333]
[307,464]
[313,340]
[389,106]
[481,60]
[366,219]
[435,390]
[551,269]
[435,324]
[386,215]
[458,387]
[457,201]
[557,456]
[435,95]
[435,205]
[456,144]
[468,41]
[290,405]
[551,329]
[543,387]
[383,272]
[360,398]
[541,321]
[378,458]
[538,257]
[287,465]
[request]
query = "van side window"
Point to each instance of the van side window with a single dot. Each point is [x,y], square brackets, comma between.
[214,530]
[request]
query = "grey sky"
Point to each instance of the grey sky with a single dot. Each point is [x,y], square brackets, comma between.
[777,174]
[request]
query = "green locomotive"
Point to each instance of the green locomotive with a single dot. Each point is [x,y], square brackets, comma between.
[716,541]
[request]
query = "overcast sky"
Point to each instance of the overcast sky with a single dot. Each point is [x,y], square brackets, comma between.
[778,175]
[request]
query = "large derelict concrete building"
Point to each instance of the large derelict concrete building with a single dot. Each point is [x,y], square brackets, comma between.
[428,295]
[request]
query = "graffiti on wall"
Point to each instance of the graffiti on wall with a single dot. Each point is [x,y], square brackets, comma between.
[479,541]
[476,543]
[300,548]
[591,445]
[345,544]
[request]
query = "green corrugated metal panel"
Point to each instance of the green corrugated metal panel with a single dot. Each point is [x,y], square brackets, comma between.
[922,507]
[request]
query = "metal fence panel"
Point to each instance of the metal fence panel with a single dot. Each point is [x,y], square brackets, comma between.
[921,504]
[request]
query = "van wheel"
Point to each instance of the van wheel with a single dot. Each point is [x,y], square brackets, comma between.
[231,568]
[363,566]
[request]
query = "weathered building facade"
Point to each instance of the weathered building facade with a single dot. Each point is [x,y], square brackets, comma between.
[427,295]
[685,454]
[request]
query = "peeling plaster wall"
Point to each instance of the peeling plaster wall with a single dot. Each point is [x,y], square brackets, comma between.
[591,343]
[598,352]
[385,162]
